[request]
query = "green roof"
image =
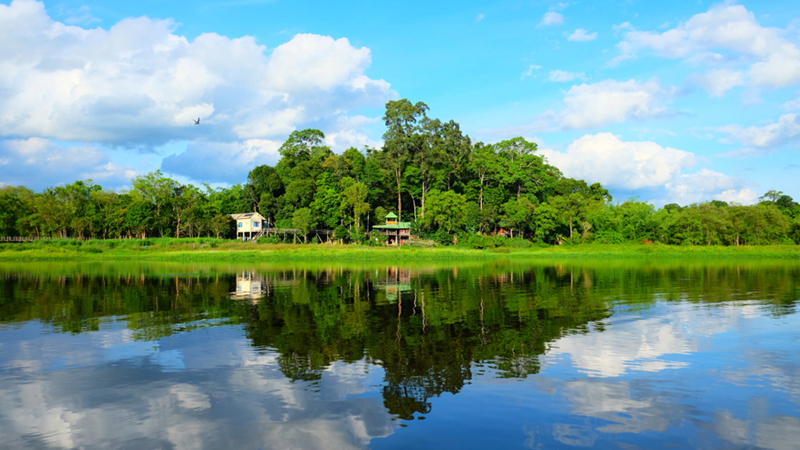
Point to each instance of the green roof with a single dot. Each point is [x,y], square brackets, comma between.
[398,226]
[391,215]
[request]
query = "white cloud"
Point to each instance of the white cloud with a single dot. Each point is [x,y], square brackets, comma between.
[718,81]
[728,35]
[38,163]
[580,35]
[560,76]
[792,105]
[645,165]
[139,83]
[611,101]
[607,159]
[551,18]
[767,138]
[742,196]
[529,71]
[705,184]
[479,17]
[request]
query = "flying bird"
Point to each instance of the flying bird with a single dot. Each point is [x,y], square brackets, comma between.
[196,122]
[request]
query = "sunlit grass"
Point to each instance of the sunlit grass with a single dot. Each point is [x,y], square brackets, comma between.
[221,249]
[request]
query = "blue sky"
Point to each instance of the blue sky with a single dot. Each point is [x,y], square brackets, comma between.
[668,101]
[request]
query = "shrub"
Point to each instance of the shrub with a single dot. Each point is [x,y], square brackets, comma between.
[517,243]
[341,234]
[269,240]
[477,241]
[442,237]
[608,237]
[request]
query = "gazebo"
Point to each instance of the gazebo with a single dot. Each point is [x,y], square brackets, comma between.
[397,232]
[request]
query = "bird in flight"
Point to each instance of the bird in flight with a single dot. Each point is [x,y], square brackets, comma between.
[196,122]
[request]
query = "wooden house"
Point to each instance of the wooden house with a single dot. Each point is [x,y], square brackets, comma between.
[397,232]
[249,225]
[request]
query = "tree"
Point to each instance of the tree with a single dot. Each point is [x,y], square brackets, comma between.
[303,220]
[446,209]
[403,138]
[159,191]
[221,224]
[261,181]
[518,213]
[354,198]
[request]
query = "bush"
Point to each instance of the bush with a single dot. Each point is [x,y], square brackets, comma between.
[314,240]
[442,237]
[607,237]
[376,239]
[517,243]
[269,240]
[477,241]
[341,234]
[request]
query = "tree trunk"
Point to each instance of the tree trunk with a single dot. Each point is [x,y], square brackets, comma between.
[481,195]
[399,201]
[423,200]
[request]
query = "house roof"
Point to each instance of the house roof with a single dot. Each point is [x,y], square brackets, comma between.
[397,226]
[391,215]
[252,215]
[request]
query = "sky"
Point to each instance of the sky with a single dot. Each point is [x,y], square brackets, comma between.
[665,101]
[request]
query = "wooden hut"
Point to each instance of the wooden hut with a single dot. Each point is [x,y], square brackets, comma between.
[397,232]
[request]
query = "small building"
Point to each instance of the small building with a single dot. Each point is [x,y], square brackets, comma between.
[249,225]
[397,232]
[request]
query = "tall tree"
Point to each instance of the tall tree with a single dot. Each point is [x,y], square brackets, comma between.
[403,138]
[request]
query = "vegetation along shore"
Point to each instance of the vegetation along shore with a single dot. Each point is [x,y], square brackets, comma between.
[212,249]
[450,191]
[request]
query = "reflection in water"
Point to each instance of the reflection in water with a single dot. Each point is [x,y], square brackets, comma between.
[349,357]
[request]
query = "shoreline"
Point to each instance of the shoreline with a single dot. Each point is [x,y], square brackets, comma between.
[323,252]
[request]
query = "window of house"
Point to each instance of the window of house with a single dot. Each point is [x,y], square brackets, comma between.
[241,224]
[256,224]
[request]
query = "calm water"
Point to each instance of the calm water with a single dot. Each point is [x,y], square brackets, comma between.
[505,355]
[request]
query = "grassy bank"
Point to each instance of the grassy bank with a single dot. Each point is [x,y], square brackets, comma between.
[226,250]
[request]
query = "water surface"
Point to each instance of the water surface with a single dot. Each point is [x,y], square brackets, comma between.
[501,355]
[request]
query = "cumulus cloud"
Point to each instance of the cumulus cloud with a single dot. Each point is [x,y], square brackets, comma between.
[580,35]
[607,159]
[598,104]
[718,81]
[139,83]
[764,139]
[645,165]
[39,163]
[551,18]
[611,101]
[560,76]
[724,35]
[705,184]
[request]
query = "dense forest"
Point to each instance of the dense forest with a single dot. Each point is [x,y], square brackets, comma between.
[429,172]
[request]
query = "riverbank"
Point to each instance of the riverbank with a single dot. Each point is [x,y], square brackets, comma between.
[226,250]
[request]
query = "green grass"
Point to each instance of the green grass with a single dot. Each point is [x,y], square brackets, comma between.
[170,249]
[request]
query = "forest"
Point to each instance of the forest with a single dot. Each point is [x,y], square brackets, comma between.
[451,189]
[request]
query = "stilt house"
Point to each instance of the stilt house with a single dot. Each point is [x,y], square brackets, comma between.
[397,232]
[249,225]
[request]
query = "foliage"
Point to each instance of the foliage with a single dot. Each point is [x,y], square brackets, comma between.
[428,172]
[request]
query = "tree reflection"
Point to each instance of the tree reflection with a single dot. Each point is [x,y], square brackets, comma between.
[429,329]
